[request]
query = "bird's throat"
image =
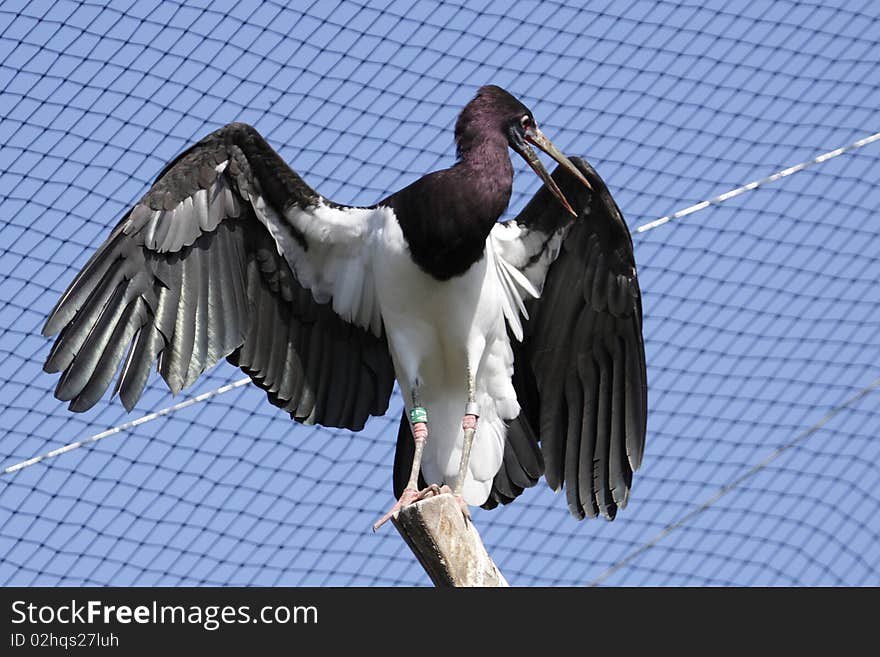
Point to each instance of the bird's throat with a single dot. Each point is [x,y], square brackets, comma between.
[488,174]
[447,216]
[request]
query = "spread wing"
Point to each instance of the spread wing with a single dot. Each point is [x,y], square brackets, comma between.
[579,369]
[230,254]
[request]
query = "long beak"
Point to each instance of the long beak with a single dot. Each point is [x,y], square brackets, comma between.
[539,139]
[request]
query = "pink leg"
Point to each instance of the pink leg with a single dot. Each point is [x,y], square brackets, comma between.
[469,426]
[411,493]
[469,422]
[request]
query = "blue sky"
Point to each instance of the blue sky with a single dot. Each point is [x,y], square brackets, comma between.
[761,314]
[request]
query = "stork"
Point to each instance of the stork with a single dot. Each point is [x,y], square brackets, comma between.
[517,345]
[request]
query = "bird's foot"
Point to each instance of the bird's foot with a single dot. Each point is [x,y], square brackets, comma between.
[410,496]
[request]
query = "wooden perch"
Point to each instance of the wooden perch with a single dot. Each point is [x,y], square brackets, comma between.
[446,544]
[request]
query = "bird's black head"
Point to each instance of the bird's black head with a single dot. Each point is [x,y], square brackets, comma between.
[495,114]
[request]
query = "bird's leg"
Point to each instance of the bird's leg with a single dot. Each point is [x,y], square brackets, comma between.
[469,426]
[418,418]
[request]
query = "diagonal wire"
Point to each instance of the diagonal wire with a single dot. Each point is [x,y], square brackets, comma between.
[755,184]
[125,426]
[824,157]
[724,490]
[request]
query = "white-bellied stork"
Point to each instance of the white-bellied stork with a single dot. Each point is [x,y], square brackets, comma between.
[517,345]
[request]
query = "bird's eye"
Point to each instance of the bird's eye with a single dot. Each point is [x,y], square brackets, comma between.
[526,121]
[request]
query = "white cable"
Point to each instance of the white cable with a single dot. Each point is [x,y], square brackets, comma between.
[726,196]
[127,425]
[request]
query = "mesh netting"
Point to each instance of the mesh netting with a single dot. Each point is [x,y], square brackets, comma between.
[762,312]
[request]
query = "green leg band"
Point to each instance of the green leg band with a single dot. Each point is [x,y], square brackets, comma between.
[418,414]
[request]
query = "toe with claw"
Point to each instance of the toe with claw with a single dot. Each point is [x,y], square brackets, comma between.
[410,496]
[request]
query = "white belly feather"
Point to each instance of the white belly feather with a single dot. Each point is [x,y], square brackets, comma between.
[436,331]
